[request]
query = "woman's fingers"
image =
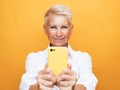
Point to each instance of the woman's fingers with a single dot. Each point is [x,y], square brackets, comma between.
[66,83]
[46,79]
[45,83]
[67,75]
[46,75]
[67,79]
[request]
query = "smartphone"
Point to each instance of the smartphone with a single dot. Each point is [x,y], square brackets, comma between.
[57,59]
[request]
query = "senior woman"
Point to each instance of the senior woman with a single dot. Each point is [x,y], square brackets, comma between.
[78,76]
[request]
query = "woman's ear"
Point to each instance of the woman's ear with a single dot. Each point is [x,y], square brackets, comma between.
[45,28]
[72,29]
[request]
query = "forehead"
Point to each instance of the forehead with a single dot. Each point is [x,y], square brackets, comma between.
[58,19]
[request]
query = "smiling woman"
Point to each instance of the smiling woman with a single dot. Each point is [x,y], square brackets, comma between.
[58,28]
[58,25]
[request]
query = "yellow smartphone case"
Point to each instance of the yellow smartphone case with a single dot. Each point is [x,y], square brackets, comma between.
[57,59]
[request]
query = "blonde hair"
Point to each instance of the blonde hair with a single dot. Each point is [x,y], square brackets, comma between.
[58,10]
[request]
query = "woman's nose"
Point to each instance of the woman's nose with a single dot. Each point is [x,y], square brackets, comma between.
[58,33]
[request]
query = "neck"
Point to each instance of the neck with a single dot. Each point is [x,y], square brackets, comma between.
[66,45]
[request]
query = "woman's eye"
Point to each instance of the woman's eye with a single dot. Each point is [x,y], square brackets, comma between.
[53,27]
[64,27]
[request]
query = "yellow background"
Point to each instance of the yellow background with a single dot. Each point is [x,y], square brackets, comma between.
[96,31]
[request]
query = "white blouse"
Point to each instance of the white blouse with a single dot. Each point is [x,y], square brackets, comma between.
[80,62]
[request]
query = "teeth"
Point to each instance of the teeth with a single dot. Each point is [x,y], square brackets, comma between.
[58,39]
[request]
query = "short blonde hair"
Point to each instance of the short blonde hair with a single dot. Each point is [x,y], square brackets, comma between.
[58,10]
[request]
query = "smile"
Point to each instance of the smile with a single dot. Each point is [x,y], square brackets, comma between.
[58,38]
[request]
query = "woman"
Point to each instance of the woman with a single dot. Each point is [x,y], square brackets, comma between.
[78,76]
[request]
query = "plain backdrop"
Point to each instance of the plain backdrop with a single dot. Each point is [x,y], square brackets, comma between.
[96,31]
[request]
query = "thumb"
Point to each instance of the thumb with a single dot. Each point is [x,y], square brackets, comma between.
[46,66]
[69,66]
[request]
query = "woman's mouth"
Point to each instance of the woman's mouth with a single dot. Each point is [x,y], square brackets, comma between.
[58,38]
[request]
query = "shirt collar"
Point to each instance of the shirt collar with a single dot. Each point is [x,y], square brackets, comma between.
[70,51]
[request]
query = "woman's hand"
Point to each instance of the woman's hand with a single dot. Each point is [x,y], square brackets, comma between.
[67,79]
[46,79]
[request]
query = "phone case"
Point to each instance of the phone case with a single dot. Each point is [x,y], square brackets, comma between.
[57,59]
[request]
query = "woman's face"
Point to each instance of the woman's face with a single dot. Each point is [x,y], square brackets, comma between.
[58,30]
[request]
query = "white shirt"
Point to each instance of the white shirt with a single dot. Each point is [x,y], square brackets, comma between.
[80,62]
